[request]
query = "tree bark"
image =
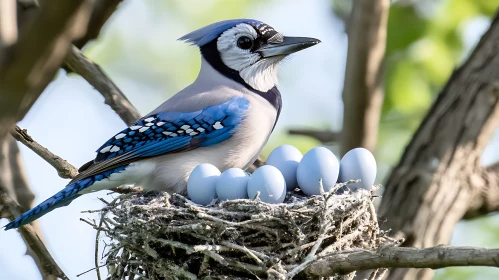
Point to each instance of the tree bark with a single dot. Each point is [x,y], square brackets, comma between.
[439,180]
[363,91]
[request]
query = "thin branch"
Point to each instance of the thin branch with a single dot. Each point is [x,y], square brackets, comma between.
[390,257]
[64,168]
[324,136]
[94,75]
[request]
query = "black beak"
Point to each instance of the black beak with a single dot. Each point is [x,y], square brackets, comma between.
[289,45]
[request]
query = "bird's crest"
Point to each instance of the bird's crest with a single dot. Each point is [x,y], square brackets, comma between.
[206,34]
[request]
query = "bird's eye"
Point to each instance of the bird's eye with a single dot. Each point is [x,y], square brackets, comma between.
[244,43]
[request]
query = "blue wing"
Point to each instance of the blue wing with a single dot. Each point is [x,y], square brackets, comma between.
[168,132]
[174,131]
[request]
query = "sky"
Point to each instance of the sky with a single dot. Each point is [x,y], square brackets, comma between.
[71,120]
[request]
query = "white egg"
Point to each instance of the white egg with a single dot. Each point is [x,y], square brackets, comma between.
[286,158]
[202,183]
[358,164]
[318,163]
[269,181]
[232,184]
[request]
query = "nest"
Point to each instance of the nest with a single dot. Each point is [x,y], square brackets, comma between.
[162,236]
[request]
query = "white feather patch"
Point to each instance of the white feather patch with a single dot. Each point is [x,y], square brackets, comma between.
[114,149]
[218,125]
[119,136]
[105,149]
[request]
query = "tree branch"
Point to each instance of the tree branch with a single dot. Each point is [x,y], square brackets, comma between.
[64,168]
[94,75]
[362,90]
[391,257]
[439,180]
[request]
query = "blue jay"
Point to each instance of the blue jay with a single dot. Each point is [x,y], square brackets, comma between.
[224,118]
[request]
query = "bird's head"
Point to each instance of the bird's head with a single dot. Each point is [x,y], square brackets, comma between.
[246,50]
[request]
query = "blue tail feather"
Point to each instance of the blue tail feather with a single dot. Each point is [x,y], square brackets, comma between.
[60,199]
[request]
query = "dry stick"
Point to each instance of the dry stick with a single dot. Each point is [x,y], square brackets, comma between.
[322,235]
[64,168]
[96,259]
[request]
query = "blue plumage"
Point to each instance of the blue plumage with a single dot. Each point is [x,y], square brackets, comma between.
[62,198]
[175,131]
